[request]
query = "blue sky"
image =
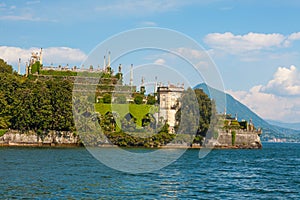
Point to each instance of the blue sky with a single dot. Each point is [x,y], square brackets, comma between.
[254,44]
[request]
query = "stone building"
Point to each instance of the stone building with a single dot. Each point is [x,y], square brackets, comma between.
[168,103]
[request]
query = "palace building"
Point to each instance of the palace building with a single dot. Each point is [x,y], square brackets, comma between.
[168,97]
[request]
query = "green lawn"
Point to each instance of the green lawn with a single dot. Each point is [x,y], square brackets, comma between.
[138,111]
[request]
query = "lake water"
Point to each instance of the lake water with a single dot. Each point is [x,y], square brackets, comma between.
[72,173]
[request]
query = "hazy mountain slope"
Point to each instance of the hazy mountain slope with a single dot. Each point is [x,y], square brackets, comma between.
[295,126]
[233,107]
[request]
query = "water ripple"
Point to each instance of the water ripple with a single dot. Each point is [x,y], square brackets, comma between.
[41,173]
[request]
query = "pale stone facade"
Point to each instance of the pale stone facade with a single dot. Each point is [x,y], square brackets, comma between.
[168,103]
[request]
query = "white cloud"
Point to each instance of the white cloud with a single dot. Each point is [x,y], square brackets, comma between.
[269,106]
[294,36]
[147,23]
[242,43]
[20,18]
[55,55]
[285,82]
[160,61]
[33,2]
[138,7]
[25,17]
[250,42]
[63,55]
[279,99]
[191,53]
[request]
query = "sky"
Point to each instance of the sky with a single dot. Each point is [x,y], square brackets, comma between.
[255,45]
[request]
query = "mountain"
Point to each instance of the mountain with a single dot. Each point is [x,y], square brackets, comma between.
[295,126]
[233,106]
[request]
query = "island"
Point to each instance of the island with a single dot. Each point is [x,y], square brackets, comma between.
[42,108]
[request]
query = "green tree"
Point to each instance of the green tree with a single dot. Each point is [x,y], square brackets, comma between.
[233,137]
[107,98]
[138,99]
[35,68]
[205,110]
[5,68]
[151,100]
[195,113]
[188,114]
[4,112]
[60,96]
[22,110]
[41,109]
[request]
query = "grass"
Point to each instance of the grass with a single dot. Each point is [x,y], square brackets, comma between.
[137,111]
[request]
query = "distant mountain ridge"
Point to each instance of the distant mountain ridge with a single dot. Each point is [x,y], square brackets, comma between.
[233,106]
[295,126]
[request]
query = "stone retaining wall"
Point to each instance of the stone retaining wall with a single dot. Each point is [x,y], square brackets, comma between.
[243,139]
[53,138]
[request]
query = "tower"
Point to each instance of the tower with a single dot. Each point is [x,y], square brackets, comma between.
[142,89]
[108,65]
[108,68]
[19,67]
[155,86]
[131,75]
[26,69]
[120,68]
[104,64]
[41,56]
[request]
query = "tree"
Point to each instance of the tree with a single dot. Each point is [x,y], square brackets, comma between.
[21,110]
[188,114]
[138,99]
[5,68]
[107,98]
[4,112]
[41,109]
[35,68]
[205,110]
[195,113]
[60,95]
[149,122]
[151,100]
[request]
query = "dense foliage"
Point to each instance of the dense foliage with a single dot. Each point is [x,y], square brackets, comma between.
[5,68]
[33,104]
[41,103]
[35,68]
[197,115]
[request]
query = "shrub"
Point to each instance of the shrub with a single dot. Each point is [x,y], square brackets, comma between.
[233,136]
[107,98]
[138,99]
[151,100]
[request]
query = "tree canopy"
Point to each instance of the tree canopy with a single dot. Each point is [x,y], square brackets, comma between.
[34,104]
[42,104]
[5,68]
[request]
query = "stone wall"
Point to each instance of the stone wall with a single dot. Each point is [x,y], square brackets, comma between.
[53,138]
[243,139]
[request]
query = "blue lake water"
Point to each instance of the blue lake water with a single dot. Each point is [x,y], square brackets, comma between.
[72,173]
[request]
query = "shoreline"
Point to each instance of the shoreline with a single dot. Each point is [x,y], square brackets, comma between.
[52,145]
[54,139]
[12,144]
